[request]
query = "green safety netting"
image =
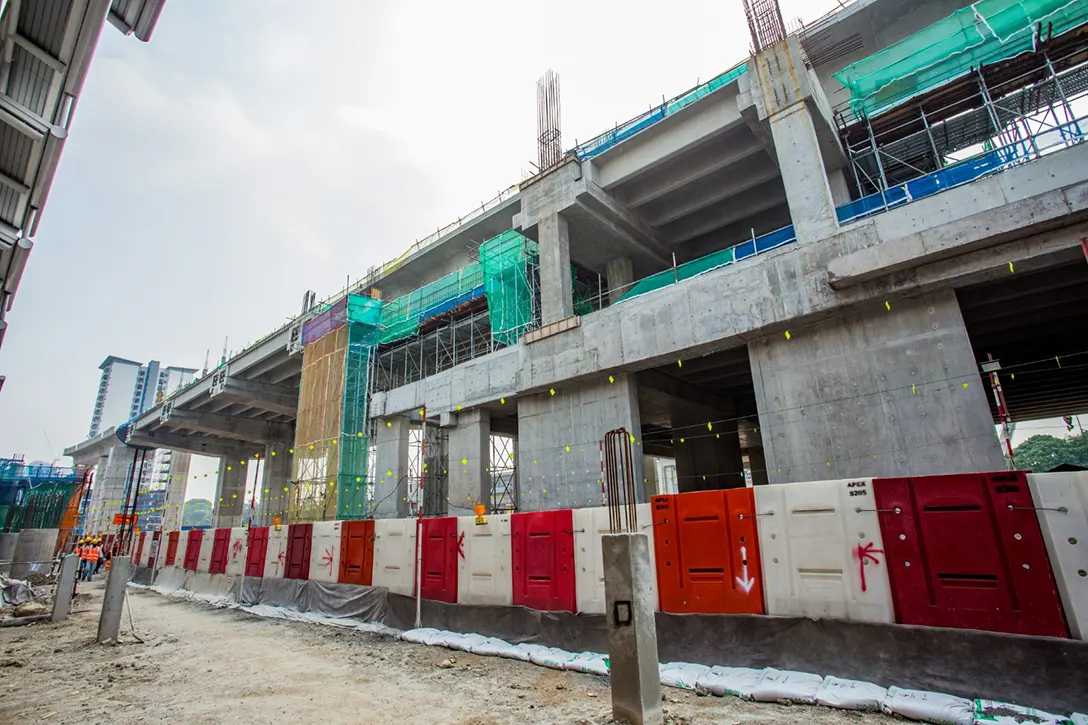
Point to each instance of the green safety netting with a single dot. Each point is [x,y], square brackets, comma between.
[505,262]
[986,32]
[42,508]
[683,271]
[400,317]
[706,89]
[364,317]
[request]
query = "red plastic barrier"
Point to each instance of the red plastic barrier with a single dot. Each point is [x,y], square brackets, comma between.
[440,550]
[220,552]
[543,558]
[299,539]
[192,548]
[139,547]
[965,551]
[707,552]
[357,552]
[172,547]
[256,549]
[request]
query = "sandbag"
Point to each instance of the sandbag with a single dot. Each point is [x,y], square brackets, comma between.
[735,681]
[788,685]
[423,635]
[682,674]
[850,694]
[460,641]
[552,657]
[493,647]
[1079,719]
[990,712]
[933,707]
[590,663]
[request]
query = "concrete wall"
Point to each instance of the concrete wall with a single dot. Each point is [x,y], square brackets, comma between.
[559,437]
[7,551]
[33,552]
[877,393]
[391,467]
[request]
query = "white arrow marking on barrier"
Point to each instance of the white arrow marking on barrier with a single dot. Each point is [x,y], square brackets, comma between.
[745,583]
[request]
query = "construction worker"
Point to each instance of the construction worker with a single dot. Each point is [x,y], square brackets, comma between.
[101,557]
[92,554]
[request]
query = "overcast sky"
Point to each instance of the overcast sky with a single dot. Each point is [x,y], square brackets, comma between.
[259,148]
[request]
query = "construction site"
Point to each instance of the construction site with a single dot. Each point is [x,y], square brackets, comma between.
[708,419]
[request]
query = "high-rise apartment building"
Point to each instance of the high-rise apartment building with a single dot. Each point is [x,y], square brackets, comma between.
[129,388]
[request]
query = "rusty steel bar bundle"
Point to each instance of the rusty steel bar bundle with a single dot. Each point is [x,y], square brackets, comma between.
[548,117]
[619,481]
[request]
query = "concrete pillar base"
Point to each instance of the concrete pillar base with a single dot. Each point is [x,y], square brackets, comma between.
[470,462]
[556,286]
[632,631]
[391,468]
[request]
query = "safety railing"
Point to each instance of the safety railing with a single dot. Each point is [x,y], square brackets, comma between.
[602,142]
[950,177]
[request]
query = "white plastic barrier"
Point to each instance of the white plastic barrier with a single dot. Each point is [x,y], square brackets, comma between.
[207,543]
[236,551]
[156,550]
[275,557]
[395,555]
[589,525]
[1066,537]
[822,551]
[325,551]
[484,571]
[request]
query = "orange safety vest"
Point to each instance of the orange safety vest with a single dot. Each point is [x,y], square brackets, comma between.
[79,551]
[93,554]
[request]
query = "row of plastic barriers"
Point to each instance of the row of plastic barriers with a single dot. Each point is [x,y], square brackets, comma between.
[1005,552]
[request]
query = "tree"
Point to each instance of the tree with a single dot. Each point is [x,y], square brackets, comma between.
[197,512]
[1043,452]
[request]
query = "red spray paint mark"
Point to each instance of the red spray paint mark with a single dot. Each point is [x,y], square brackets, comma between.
[866,552]
[236,549]
[327,559]
[279,559]
[461,545]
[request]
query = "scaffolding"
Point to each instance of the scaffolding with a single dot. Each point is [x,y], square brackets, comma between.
[990,118]
[34,496]
[503,472]
[507,262]
[354,490]
[983,33]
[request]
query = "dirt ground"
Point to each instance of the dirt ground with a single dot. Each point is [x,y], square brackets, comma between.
[203,665]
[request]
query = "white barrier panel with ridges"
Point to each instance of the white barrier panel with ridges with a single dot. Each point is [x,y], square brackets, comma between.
[153,557]
[275,557]
[325,551]
[1066,537]
[236,551]
[207,543]
[589,526]
[484,566]
[822,551]
[395,555]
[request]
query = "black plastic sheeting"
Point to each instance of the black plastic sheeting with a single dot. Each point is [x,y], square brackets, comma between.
[141,575]
[1040,672]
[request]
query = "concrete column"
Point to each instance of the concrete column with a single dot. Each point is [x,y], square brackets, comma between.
[621,275]
[66,582]
[275,484]
[559,440]
[556,286]
[840,187]
[757,462]
[109,489]
[877,393]
[632,631]
[470,461]
[230,491]
[177,483]
[649,476]
[113,604]
[808,192]
[391,468]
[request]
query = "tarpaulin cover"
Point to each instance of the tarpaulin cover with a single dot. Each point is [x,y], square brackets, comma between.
[984,32]
[337,600]
[504,260]
[328,321]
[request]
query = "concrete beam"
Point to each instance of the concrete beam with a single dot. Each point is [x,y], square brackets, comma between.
[626,223]
[677,388]
[194,444]
[767,195]
[251,431]
[667,139]
[721,186]
[717,155]
[278,399]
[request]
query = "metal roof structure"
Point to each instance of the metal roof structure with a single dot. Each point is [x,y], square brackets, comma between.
[46,48]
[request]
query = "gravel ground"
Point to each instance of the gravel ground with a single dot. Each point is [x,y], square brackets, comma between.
[204,665]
